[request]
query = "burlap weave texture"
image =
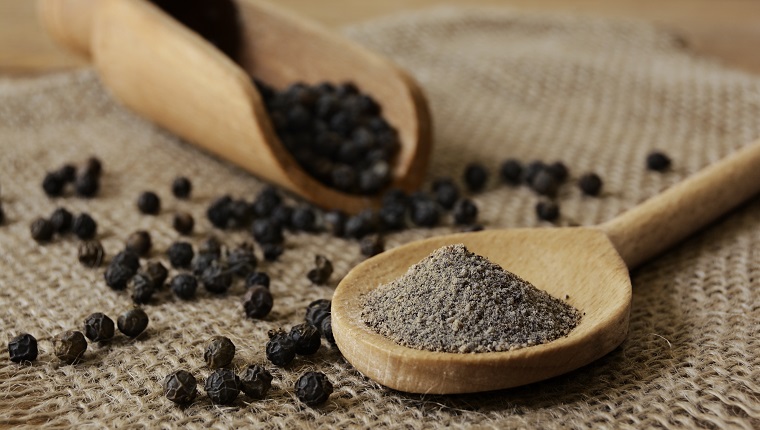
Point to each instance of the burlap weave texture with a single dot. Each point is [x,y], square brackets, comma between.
[596,94]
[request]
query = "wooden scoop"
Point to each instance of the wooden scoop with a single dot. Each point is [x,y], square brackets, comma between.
[172,76]
[588,264]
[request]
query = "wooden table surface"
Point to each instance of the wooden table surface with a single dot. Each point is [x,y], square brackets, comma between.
[728,29]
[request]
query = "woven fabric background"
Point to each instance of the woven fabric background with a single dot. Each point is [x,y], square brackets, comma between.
[597,94]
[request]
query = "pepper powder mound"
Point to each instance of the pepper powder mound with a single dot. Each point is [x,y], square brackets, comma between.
[456,301]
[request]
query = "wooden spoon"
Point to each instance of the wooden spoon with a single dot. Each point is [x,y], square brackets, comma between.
[172,76]
[588,264]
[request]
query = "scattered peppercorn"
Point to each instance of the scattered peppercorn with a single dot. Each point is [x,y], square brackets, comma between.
[304,219]
[139,242]
[183,222]
[658,161]
[181,187]
[90,253]
[142,288]
[219,352]
[216,278]
[359,225]
[69,346]
[67,173]
[219,212]
[266,201]
[157,274]
[590,184]
[211,246]
[184,286]
[222,386]
[41,230]
[201,262]
[545,183]
[98,327]
[511,171]
[256,381]
[132,322]
[559,170]
[425,213]
[372,245]
[128,259]
[53,184]
[257,302]
[465,212]
[313,388]
[282,215]
[317,311]
[547,210]
[84,226]
[322,270]
[272,251]
[242,260]
[472,228]
[280,349]
[22,348]
[87,185]
[180,255]
[93,166]
[475,177]
[257,278]
[149,203]
[393,215]
[266,231]
[61,220]
[446,192]
[2,214]
[326,329]
[117,276]
[180,387]
[306,338]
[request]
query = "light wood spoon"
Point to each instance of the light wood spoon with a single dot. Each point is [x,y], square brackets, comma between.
[588,264]
[172,76]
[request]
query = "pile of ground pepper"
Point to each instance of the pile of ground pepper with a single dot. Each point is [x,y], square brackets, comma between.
[457,301]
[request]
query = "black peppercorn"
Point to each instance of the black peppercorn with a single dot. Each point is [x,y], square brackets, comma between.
[547,210]
[98,327]
[222,386]
[306,338]
[216,278]
[93,166]
[22,348]
[157,273]
[69,346]
[201,262]
[41,230]
[117,276]
[317,311]
[465,212]
[590,184]
[242,260]
[511,171]
[266,231]
[446,192]
[183,222]
[87,185]
[219,212]
[335,222]
[241,214]
[2,214]
[180,255]
[658,161]
[149,203]
[139,242]
[142,288]
[257,302]
[256,381]
[280,349]
[372,245]
[358,226]
[210,246]
[322,270]
[132,322]
[304,219]
[53,184]
[180,387]
[544,183]
[475,177]
[266,202]
[393,215]
[90,253]
[313,388]
[184,286]
[181,187]
[272,251]
[558,170]
[425,213]
[61,220]
[128,259]
[326,329]
[84,226]
[282,215]
[219,352]
[67,173]
[257,278]
[471,228]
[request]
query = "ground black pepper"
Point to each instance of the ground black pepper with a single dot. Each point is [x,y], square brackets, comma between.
[184,286]
[590,184]
[98,327]
[184,223]
[658,161]
[280,349]
[84,226]
[307,339]
[149,203]
[256,381]
[313,388]
[132,322]
[139,242]
[547,210]
[180,255]
[41,230]
[222,386]
[258,302]
[180,387]
[181,187]
[22,348]
[219,352]
[61,219]
[322,270]
[69,346]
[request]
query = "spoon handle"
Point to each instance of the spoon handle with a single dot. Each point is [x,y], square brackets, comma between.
[68,22]
[667,218]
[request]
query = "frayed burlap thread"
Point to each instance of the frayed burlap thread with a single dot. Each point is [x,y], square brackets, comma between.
[594,93]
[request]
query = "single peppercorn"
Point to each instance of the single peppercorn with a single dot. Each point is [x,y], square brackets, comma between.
[272,251]
[128,259]
[256,381]
[658,161]
[242,260]
[280,349]
[149,203]
[210,246]
[142,288]
[322,270]
[117,276]
[358,226]
[181,187]
[132,322]
[544,183]
[511,171]
[326,329]
[590,184]
[282,216]
[98,327]
[157,273]
[219,352]
[317,311]
[93,166]
[184,223]
[266,231]
[216,278]
[184,286]
[67,173]
[180,387]
[257,302]
[201,262]
[266,202]
[69,346]
[180,255]
[446,192]
[306,338]
[257,278]
[559,170]
[425,213]
[304,219]
[313,388]
[61,220]
[471,228]
[219,212]
[84,226]
[393,215]
[139,242]
[335,222]
[372,245]
[465,212]
[53,184]
[41,230]
[22,348]
[87,185]
[547,210]
[222,386]
[475,177]
[2,214]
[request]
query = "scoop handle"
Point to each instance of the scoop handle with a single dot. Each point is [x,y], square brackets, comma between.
[666,219]
[68,22]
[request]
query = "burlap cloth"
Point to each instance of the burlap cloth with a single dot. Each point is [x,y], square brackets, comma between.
[597,94]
